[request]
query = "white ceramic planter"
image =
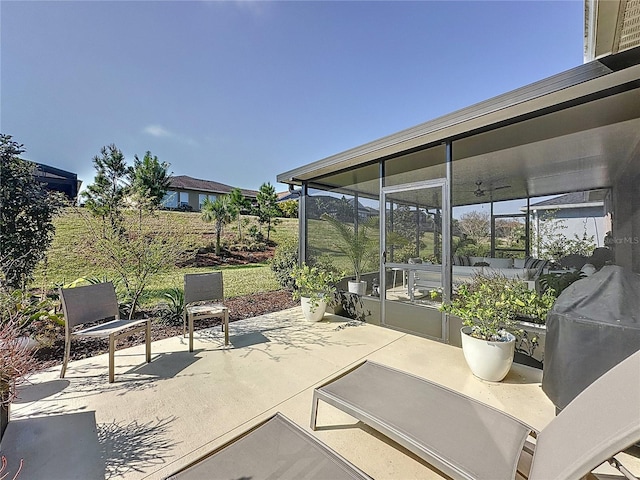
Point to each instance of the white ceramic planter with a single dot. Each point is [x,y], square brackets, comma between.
[317,313]
[28,343]
[487,360]
[359,288]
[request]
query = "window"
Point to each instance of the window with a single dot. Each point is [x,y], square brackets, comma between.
[170,200]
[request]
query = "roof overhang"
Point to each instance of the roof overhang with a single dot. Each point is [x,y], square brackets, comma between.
[592,82]
[611,26]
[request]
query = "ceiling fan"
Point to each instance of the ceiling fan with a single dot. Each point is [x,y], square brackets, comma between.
[481,192]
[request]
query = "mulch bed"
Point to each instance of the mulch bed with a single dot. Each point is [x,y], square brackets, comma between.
[239,308]
[206,257]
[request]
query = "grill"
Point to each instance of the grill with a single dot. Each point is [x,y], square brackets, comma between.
[594,325]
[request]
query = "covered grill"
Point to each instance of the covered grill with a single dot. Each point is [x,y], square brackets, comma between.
[594,325]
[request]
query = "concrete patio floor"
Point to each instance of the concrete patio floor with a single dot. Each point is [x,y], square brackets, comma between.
[160,416]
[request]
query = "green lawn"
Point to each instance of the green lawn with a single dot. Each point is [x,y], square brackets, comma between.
[67,258]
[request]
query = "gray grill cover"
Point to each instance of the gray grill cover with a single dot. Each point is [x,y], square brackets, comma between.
[594,325]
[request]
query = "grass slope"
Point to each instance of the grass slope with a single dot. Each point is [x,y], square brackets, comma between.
[67,258]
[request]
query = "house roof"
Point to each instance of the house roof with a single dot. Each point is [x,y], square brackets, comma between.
[189,183]
[572,200]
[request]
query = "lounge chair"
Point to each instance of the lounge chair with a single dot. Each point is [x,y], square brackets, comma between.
[467,439]
[201,292]
[275,448]
[93,304]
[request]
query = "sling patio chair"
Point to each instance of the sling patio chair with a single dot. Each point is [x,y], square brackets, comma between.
[202,292]
[467,439]
[275,448]
[97,304]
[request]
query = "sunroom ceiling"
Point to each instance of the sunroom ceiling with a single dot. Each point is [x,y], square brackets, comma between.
[589,157]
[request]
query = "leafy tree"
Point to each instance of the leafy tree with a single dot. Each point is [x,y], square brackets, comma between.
[284,260]
[106,197]
[240,203]
[345,211]
[289,208]
[26,214]
[550,243]
[149,180]
[221,212]
[267,208]
[137,253]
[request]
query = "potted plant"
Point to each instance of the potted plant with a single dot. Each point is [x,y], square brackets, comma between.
[314,287]
[487,316]
[358,247]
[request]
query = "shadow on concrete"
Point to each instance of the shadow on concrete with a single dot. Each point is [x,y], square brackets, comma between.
[56,446]
[74,446]
[248,339]
[39,391]
[165,365]
[134,446]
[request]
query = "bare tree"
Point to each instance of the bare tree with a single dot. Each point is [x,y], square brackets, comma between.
[475,224]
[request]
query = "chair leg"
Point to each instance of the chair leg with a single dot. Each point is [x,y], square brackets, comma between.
[190,332]
[67,354]
[112,348]
[148,341]
[314,412]
[226,327]
[184,322]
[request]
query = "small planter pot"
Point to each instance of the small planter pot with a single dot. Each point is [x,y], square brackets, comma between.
[488,360]
[28,343]
[359,288]
[311,314]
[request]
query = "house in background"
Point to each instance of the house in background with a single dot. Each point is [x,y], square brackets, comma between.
[577,213]
[187,193]
[57,180]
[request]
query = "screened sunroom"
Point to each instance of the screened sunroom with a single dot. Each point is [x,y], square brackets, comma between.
[455,193]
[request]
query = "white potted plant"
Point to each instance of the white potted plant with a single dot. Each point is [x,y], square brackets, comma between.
[358,247]
[487,315]
[314,287]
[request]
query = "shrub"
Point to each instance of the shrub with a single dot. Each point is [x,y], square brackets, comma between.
[173,312]
[26,214]
[17,362]
[490,304]
[32,316]
[315,283]
[285,259]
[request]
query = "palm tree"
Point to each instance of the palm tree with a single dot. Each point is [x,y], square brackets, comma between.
[238,200]
[220,211]
[356,244]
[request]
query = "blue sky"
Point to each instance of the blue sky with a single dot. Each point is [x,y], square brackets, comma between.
[238,92]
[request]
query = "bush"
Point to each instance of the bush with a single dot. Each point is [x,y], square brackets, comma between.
[26,214]
[492,303]
[32,316]
[173,311]
[285,260]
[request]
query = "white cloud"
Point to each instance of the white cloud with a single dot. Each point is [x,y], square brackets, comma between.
[158,131]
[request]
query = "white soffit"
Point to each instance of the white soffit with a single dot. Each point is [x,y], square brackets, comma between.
[611,26]
[630,28]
